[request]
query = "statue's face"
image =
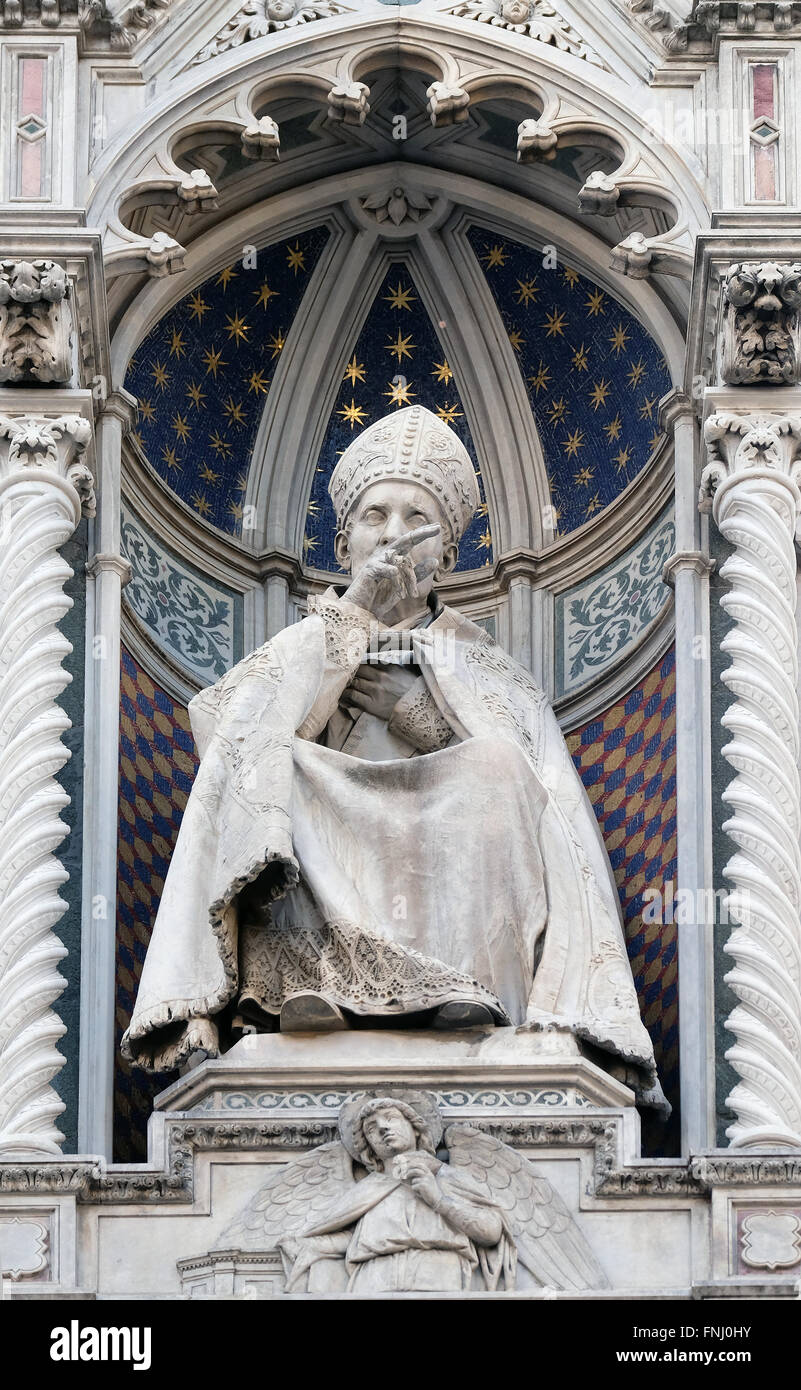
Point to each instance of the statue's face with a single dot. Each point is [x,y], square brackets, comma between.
[388,1132]
[385,512]
[515,11]
[280,10]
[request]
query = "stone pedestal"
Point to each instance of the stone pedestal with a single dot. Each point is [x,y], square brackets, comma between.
[715,1226]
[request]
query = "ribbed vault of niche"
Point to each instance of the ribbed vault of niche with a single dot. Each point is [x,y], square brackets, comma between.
[203,373]
[397,360]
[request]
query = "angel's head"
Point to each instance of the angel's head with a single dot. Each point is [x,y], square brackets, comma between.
[386,1127]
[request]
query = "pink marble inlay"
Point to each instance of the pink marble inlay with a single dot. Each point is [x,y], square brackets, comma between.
[765,172]
[31,168]
[32,87]
[764,90]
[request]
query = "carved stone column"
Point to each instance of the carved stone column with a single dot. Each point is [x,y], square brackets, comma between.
[45,487]
[107,572]
[752,479]
[688,572]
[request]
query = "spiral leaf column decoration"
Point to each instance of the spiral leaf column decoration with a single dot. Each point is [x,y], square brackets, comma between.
[753,475]
[45,487]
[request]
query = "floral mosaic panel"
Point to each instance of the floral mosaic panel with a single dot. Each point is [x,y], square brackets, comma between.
[593,374]
[197,623]
[599,621]
[397,360]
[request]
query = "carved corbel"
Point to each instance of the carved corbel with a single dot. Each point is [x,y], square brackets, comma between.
[126,253]
[348,103]
[634,183]
[46,486]
[536,139]
[447,103]
[751,485]
[761,329]
[197,192]
[669,253]
[600,194]
[261,139]
[162,182]
[14,14]
[633,256]
[35,323]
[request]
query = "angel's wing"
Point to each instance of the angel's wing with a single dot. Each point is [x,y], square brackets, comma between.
[549,1243]
[289,1203]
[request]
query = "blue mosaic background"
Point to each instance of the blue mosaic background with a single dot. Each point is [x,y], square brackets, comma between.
[202,375]
[398,360]
[594,376]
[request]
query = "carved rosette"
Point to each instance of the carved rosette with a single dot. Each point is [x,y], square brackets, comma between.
[753,478]
[45,488]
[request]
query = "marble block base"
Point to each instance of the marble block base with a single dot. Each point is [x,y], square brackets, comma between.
[718,1225]
[544,1070]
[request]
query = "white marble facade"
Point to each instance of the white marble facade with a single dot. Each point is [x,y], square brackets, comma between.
[161,454]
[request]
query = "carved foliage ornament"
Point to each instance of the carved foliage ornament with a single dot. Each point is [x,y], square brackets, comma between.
[397,205]
[260,17]
[35,323]
[57,445]
[761,333]
[536,18]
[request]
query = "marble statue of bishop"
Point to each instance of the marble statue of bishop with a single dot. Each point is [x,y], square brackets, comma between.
[386,828]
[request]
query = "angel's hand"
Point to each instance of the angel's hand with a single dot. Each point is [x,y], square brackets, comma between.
[390,574]
[408,1165]
[417,1170]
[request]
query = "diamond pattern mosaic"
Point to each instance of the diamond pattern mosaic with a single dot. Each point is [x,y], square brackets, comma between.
[157,767]
[626,759]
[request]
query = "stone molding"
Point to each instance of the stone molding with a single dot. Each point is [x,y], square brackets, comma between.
[46,486]
[710,20]
[751,483]
[35,323]
[761,331]
[99,28]
[116,564]
[694,560]
[92,1181]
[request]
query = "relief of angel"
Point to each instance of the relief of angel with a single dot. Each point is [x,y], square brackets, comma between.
[403,1204]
